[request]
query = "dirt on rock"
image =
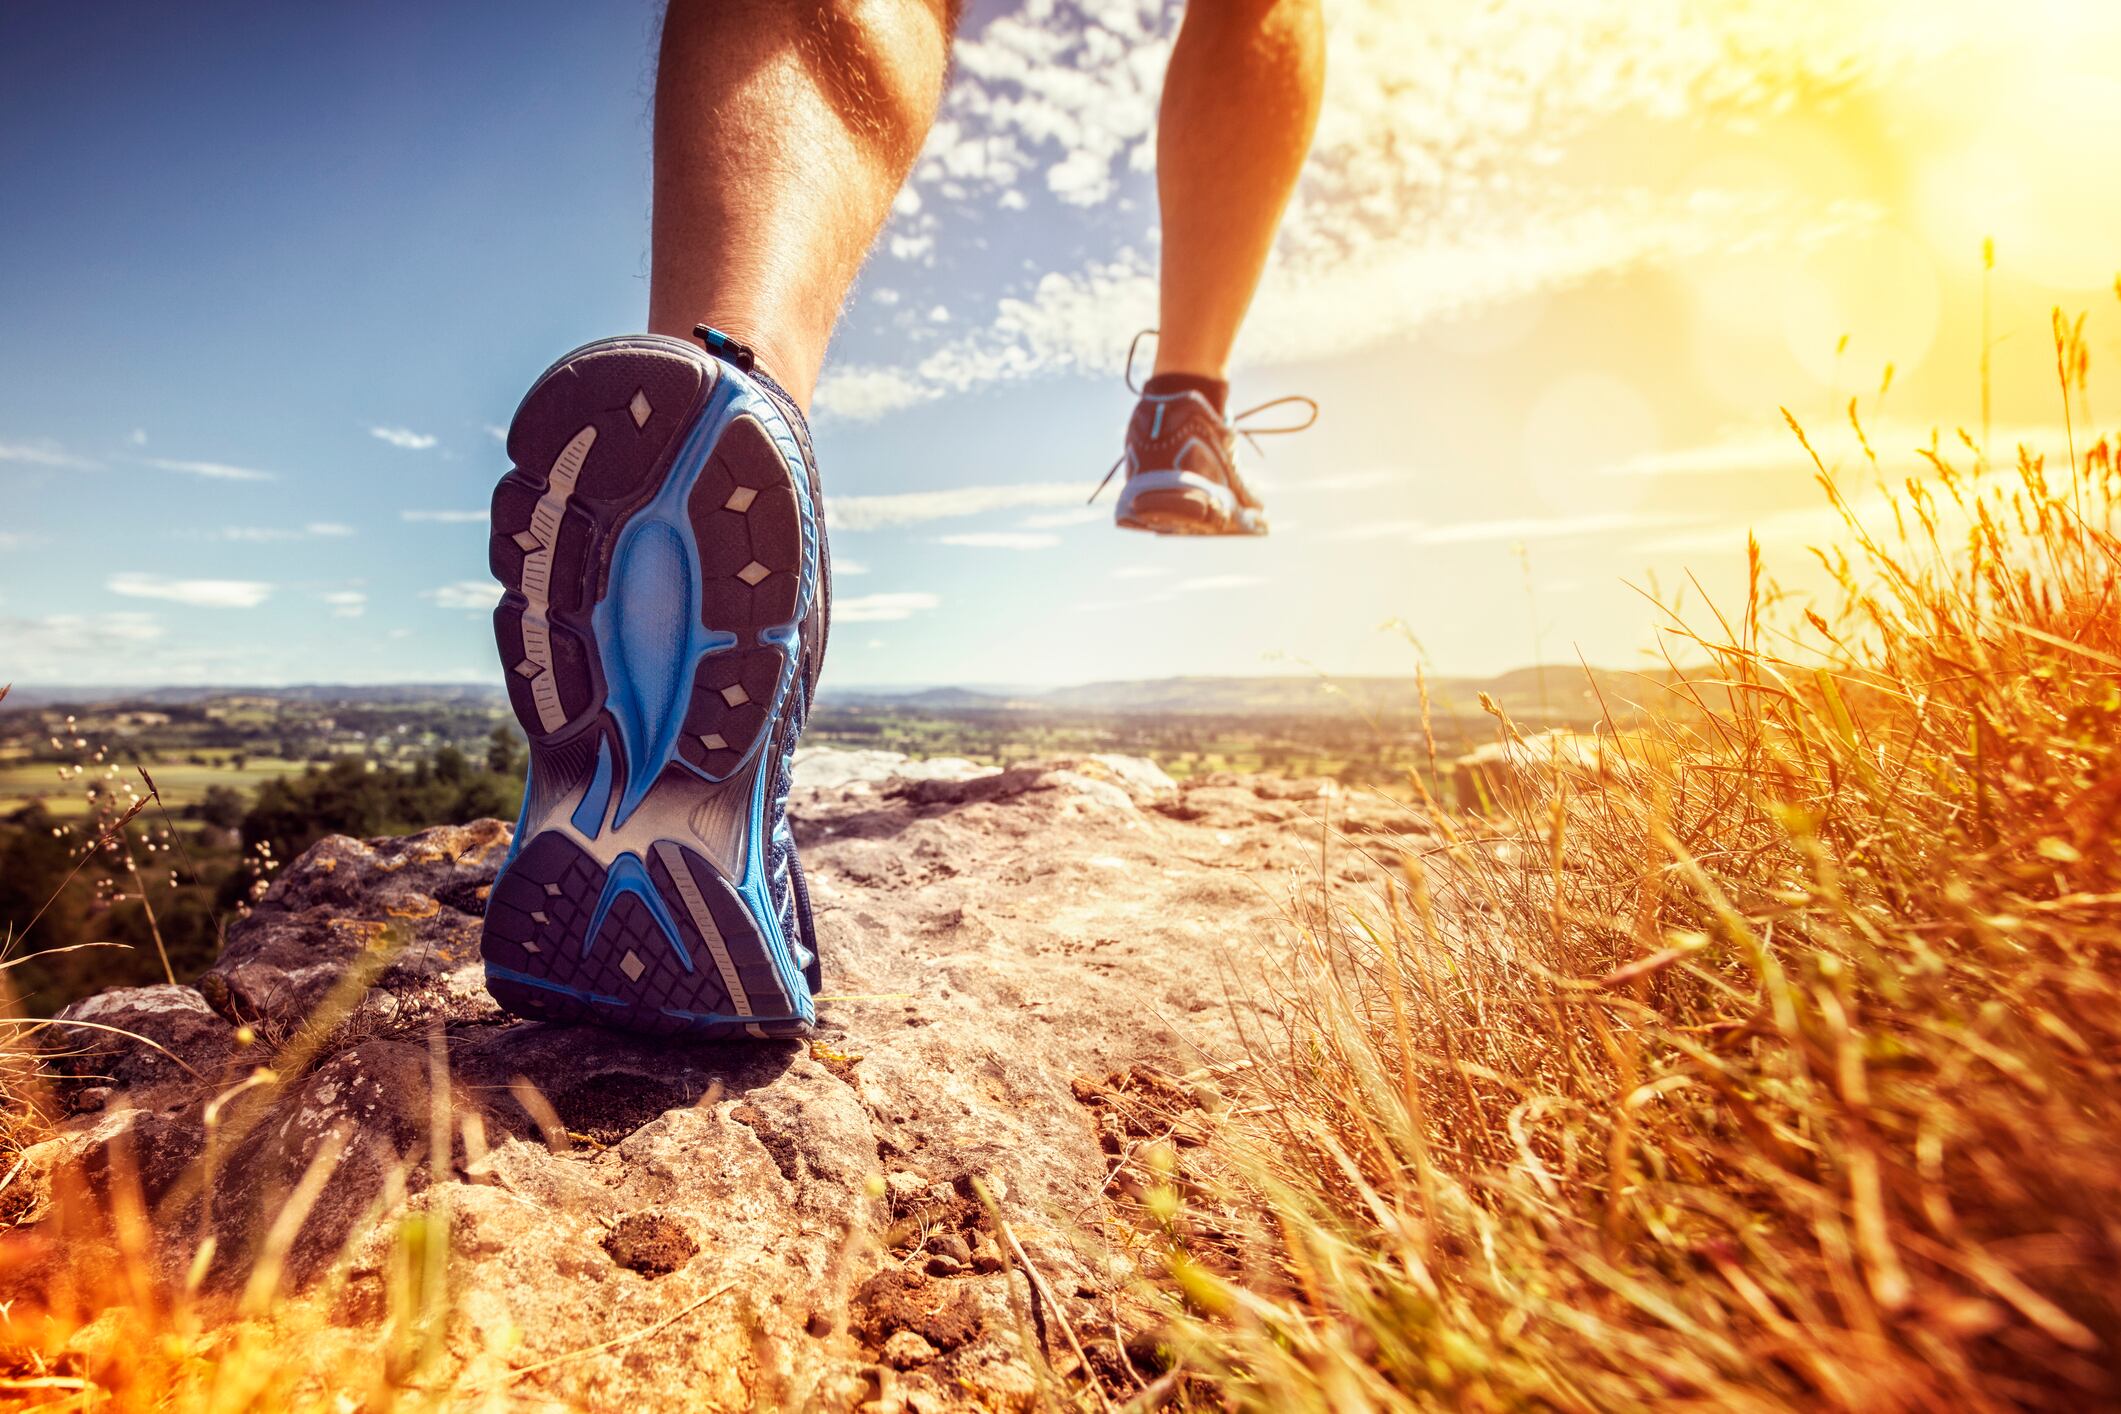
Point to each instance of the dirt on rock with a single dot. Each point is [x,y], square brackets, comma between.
[1020,967]
[650,1244]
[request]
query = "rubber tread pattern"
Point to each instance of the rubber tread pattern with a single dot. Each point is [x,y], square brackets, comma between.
[747,532]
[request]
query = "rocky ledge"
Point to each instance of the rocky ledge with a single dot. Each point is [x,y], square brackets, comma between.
[852,1222]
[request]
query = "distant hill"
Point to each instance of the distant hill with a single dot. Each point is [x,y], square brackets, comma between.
[1527,693]
[389,694]
[1524,692]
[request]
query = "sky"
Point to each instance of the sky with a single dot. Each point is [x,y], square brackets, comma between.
[272,278]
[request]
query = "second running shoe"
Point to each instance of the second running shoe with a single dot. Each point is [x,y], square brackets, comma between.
[661,544]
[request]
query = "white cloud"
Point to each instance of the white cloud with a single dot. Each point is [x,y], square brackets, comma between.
[57,647]
[1000,540]
[445,517]
[1140,572]
[197,593]
[256,534]
[885,296]
[862,394]
[939,315]
[916,507]
[1438,185]
[882,608]
[212,471]
[266,534]
[347,603]
[1514,528]
[139,437]
[495,431]
[126,649]
[1058,520]
[1351,480]
[45,454]
[1205,582]
[1772,451]
[403,437]
[480,594]
[1818,522]
[847,567]
[920,248]
[1072,87]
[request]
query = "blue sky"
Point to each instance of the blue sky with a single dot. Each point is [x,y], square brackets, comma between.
[271,275]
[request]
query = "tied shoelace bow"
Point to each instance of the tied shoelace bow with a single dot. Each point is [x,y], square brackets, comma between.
[1234,423]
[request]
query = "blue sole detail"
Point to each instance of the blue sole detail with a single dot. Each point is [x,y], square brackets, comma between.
[648,628]
[723,1018]
[754,890]
[524,979]
[588,817]
[628,875]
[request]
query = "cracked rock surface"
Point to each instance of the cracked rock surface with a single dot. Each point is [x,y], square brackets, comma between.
[818,1217]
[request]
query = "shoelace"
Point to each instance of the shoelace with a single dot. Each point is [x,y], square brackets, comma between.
[1235,423]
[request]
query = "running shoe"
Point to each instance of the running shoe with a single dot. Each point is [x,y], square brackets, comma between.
[662,548]
[1181,464]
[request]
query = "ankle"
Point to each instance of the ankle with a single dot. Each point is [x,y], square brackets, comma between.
[1215,390]
[782,358]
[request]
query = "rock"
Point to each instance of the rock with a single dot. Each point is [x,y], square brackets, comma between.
[1143,780]
[830,767]
[792,1209]
[1006,1384]
[143,1036]
[945,1314]
[392,912]
[987,1255]
[905,1349]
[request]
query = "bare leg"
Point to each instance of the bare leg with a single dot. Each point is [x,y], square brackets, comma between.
[782,131]
[1240,104]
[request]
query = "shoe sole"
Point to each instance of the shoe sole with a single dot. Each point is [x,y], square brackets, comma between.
[658,549]
[1184,503]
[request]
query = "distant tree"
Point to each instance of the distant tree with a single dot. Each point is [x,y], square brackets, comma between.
[451,766]
[293,812]
[33,867]
[505,752]
[221,807]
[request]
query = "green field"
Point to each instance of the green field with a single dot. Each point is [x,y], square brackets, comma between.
[181,783]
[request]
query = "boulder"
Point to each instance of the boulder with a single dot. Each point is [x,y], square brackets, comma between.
[821,1224]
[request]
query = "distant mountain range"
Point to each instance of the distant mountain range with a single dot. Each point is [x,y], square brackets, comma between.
[1527,693]
[388,694]
[1524,692]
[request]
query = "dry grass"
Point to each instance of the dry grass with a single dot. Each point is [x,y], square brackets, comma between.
[109,1308]
[1767,1061]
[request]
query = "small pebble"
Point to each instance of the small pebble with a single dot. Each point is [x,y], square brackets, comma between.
[905,1349]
